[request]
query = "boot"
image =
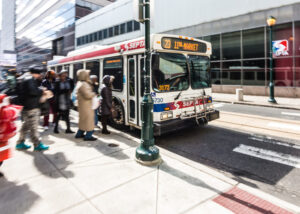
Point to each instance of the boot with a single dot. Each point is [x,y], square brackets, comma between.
[56,130]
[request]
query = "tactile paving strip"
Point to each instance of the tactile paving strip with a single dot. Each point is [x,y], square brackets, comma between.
[240,201]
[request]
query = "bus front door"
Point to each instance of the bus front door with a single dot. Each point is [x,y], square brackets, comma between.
[133,115]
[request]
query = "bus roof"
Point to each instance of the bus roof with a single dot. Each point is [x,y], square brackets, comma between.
[122,48]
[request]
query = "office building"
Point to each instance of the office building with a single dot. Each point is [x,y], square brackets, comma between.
[45,28]
[237,30]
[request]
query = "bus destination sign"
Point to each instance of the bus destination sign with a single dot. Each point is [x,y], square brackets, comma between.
[183,45]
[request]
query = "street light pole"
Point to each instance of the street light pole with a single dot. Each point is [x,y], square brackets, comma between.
[271,22]
[147,153]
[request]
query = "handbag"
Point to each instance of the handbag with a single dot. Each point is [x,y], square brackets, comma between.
[95,102]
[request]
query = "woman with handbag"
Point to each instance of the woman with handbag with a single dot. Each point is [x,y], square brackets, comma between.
[49,83]
[85,96]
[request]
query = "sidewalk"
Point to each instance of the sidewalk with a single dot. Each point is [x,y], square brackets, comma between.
[75,176]
[282,102]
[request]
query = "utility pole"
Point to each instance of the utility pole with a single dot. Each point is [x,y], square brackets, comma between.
[147,153]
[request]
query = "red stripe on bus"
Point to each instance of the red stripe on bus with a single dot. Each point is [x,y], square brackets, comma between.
[111,50]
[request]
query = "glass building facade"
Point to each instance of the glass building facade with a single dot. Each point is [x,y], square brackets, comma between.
[45,28]
[242,57]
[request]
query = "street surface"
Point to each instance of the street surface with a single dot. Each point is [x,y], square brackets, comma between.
[258,146]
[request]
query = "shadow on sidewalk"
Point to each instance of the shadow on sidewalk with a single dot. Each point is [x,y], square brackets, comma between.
[14,198]
[59,156]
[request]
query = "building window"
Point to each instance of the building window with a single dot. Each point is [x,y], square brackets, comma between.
[116,30]
[129,27]
[136,25]
[231,73]
[114,67]
[283,72]
[87,39]
[93,66]
[297,72]
[231,45]
[254,72]
[254,43]
[297,39]
[58,47]
[91,39]
[104,33]
[78,41]
[122,28]
[95,36]
[100,35]
[215,42]
[111,32]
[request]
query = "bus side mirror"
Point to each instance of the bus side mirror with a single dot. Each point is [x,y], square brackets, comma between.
[155,61]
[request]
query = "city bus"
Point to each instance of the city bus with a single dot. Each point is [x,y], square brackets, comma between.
[180,79]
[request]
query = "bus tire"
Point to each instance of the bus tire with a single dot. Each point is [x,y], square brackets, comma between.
[118,116]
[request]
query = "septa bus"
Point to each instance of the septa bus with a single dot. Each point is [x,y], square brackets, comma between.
[180,79]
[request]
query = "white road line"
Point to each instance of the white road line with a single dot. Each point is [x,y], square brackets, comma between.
[272,141]
[268,155]
[291,114]
[284,126]
[218,105]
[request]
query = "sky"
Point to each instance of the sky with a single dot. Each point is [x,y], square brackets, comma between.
[0,14]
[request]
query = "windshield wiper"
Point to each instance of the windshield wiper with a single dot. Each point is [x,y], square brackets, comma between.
[177,97]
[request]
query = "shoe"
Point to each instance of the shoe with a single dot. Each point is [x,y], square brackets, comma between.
[41,147]
[105,132]
[22,146]
[69,131]
[56,131]
[46,128]
[90,139]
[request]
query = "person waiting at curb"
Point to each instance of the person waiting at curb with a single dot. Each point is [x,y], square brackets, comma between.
[62,92]
[106,103]
[31,95]
[85,96]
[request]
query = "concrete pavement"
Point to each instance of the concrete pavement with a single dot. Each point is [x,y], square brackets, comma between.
[282,102]
[102,177]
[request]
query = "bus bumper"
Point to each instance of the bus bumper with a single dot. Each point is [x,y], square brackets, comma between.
[168,126]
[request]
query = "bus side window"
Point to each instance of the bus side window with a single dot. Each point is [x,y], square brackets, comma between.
[114,67]
[142,72]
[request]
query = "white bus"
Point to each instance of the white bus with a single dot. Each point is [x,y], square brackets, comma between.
[180,79]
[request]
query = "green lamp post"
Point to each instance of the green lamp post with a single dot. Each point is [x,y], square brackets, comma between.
[271,21]
[147,153]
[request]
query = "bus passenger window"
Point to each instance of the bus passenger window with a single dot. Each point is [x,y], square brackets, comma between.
[93,66]
[76,67]
[114,67]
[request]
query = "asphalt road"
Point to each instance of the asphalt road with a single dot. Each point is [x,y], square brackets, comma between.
[260,111]
[264,162]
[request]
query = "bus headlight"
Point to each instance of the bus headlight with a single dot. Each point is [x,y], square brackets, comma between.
[166,115]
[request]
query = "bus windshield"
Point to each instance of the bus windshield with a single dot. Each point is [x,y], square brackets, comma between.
[200,76]
[170,73]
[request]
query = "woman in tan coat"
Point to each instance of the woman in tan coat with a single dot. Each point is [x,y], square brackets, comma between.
[85,96]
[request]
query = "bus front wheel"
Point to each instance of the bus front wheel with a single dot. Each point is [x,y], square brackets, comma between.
[118,116]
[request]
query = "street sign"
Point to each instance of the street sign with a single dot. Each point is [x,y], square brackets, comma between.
[138,10]
[280,48]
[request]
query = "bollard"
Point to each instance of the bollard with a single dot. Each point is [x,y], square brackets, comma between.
[239,94]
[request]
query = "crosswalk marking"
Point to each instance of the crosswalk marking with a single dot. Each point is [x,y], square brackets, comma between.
[291,114]
[268,155]
[272,141]
[284,126]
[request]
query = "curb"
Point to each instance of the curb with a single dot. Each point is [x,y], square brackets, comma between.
[256,104]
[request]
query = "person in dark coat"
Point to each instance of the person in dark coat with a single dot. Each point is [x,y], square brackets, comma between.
[106,103]
[49,83]
[31,94]
[62,93]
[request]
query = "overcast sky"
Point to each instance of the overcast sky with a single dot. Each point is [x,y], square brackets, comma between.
[0,14]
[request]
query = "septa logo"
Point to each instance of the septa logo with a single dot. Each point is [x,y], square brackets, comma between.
[280,48]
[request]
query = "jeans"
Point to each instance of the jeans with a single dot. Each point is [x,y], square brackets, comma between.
[88,134]
[96,117]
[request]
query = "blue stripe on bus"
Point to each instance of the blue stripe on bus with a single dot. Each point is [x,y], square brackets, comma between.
[159,107]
